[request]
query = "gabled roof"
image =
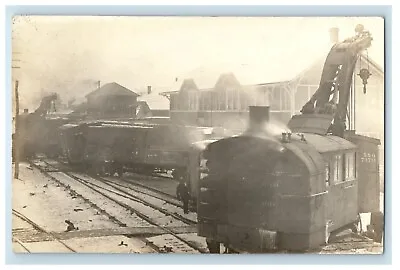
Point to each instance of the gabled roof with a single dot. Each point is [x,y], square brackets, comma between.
[289,66]
[112,89]
[227,80]
[372,63]
[188,84]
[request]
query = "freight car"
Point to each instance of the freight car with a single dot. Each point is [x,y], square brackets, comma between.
[259,192]
[109,147]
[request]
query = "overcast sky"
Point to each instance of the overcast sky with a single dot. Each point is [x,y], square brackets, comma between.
[68,54]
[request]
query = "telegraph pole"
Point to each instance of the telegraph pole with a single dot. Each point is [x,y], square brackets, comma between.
[16,138]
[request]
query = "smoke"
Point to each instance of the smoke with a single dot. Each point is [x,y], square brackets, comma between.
[58,52]
[276,128]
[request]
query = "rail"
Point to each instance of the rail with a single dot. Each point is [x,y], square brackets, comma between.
[39,228]
[131,209]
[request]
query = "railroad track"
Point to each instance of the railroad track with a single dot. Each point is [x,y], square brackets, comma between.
[138,187]
[38,228]
[118,191]
[122,193]
[132,186]
[146,189]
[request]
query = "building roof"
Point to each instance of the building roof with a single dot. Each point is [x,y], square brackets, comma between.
[283,64]
[227,80]
[155,101]
[111,89]
[188,84]
[372,63]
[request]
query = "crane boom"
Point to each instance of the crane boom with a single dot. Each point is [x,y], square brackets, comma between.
[329,102]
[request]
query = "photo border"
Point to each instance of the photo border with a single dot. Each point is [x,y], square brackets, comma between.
[219,10]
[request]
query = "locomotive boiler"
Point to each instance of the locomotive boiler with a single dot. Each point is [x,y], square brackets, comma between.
[260,191]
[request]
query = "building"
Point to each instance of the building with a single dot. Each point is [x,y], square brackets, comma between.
[226,103]
[153,104]
[111,101]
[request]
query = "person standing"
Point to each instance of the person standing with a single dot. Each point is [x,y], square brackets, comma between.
[182,192]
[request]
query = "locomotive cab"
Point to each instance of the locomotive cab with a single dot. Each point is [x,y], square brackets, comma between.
[261,194]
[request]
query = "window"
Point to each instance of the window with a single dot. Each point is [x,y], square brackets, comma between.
[208,100]
[174,102]
[214,100]
[230,99]
[337,169]
[193,101]
[203,169]
[350,166]
[244,101]
[221,101]
[201,101]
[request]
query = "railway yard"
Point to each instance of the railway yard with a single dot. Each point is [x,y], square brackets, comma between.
[57,210]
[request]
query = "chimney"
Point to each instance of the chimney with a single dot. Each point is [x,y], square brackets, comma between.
[149,89]
[334,35]
[258,116]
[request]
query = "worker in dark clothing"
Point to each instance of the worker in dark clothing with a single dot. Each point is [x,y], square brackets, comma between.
[378,224]
[182,192]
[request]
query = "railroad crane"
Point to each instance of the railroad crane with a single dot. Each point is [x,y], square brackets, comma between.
[325,114]
[326,111]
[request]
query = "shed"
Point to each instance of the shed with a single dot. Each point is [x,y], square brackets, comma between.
[112,100]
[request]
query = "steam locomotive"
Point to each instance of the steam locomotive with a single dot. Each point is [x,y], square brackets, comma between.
[261,192]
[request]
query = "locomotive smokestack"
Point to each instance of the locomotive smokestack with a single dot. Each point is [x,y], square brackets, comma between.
[258,117]
[149,89]
[334,35]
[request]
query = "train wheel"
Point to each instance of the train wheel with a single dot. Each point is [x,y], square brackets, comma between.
[120,171]
[90,169]
[102,169]
[93,169]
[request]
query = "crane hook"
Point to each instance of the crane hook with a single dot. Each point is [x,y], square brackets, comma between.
[364,75]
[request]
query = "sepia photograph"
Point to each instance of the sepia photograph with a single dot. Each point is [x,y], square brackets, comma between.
[198,135]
